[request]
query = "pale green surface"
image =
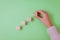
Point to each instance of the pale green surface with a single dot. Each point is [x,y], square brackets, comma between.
[12,12]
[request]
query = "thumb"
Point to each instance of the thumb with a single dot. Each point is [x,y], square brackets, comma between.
[36,15]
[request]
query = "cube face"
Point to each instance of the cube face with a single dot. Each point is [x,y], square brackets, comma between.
[23,23]
[29,19]
[18,28]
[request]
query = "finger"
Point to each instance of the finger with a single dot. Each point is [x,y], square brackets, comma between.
[38,14]
[35,15]
[43,13]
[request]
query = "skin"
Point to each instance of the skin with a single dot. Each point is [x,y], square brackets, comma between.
[43,17]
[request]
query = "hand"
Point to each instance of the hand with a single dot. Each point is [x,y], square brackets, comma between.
[43,17]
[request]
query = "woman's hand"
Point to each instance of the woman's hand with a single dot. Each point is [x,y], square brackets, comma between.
[43,17]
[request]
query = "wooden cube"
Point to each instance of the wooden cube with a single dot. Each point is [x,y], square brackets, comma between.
[29,19]
[18,27]
[23,23]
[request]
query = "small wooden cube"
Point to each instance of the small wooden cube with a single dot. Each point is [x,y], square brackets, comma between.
[23,23]
[29,19]
[18,27]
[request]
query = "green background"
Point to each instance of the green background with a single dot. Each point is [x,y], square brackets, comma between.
[12,12]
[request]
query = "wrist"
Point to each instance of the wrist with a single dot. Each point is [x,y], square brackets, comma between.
[48,26]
